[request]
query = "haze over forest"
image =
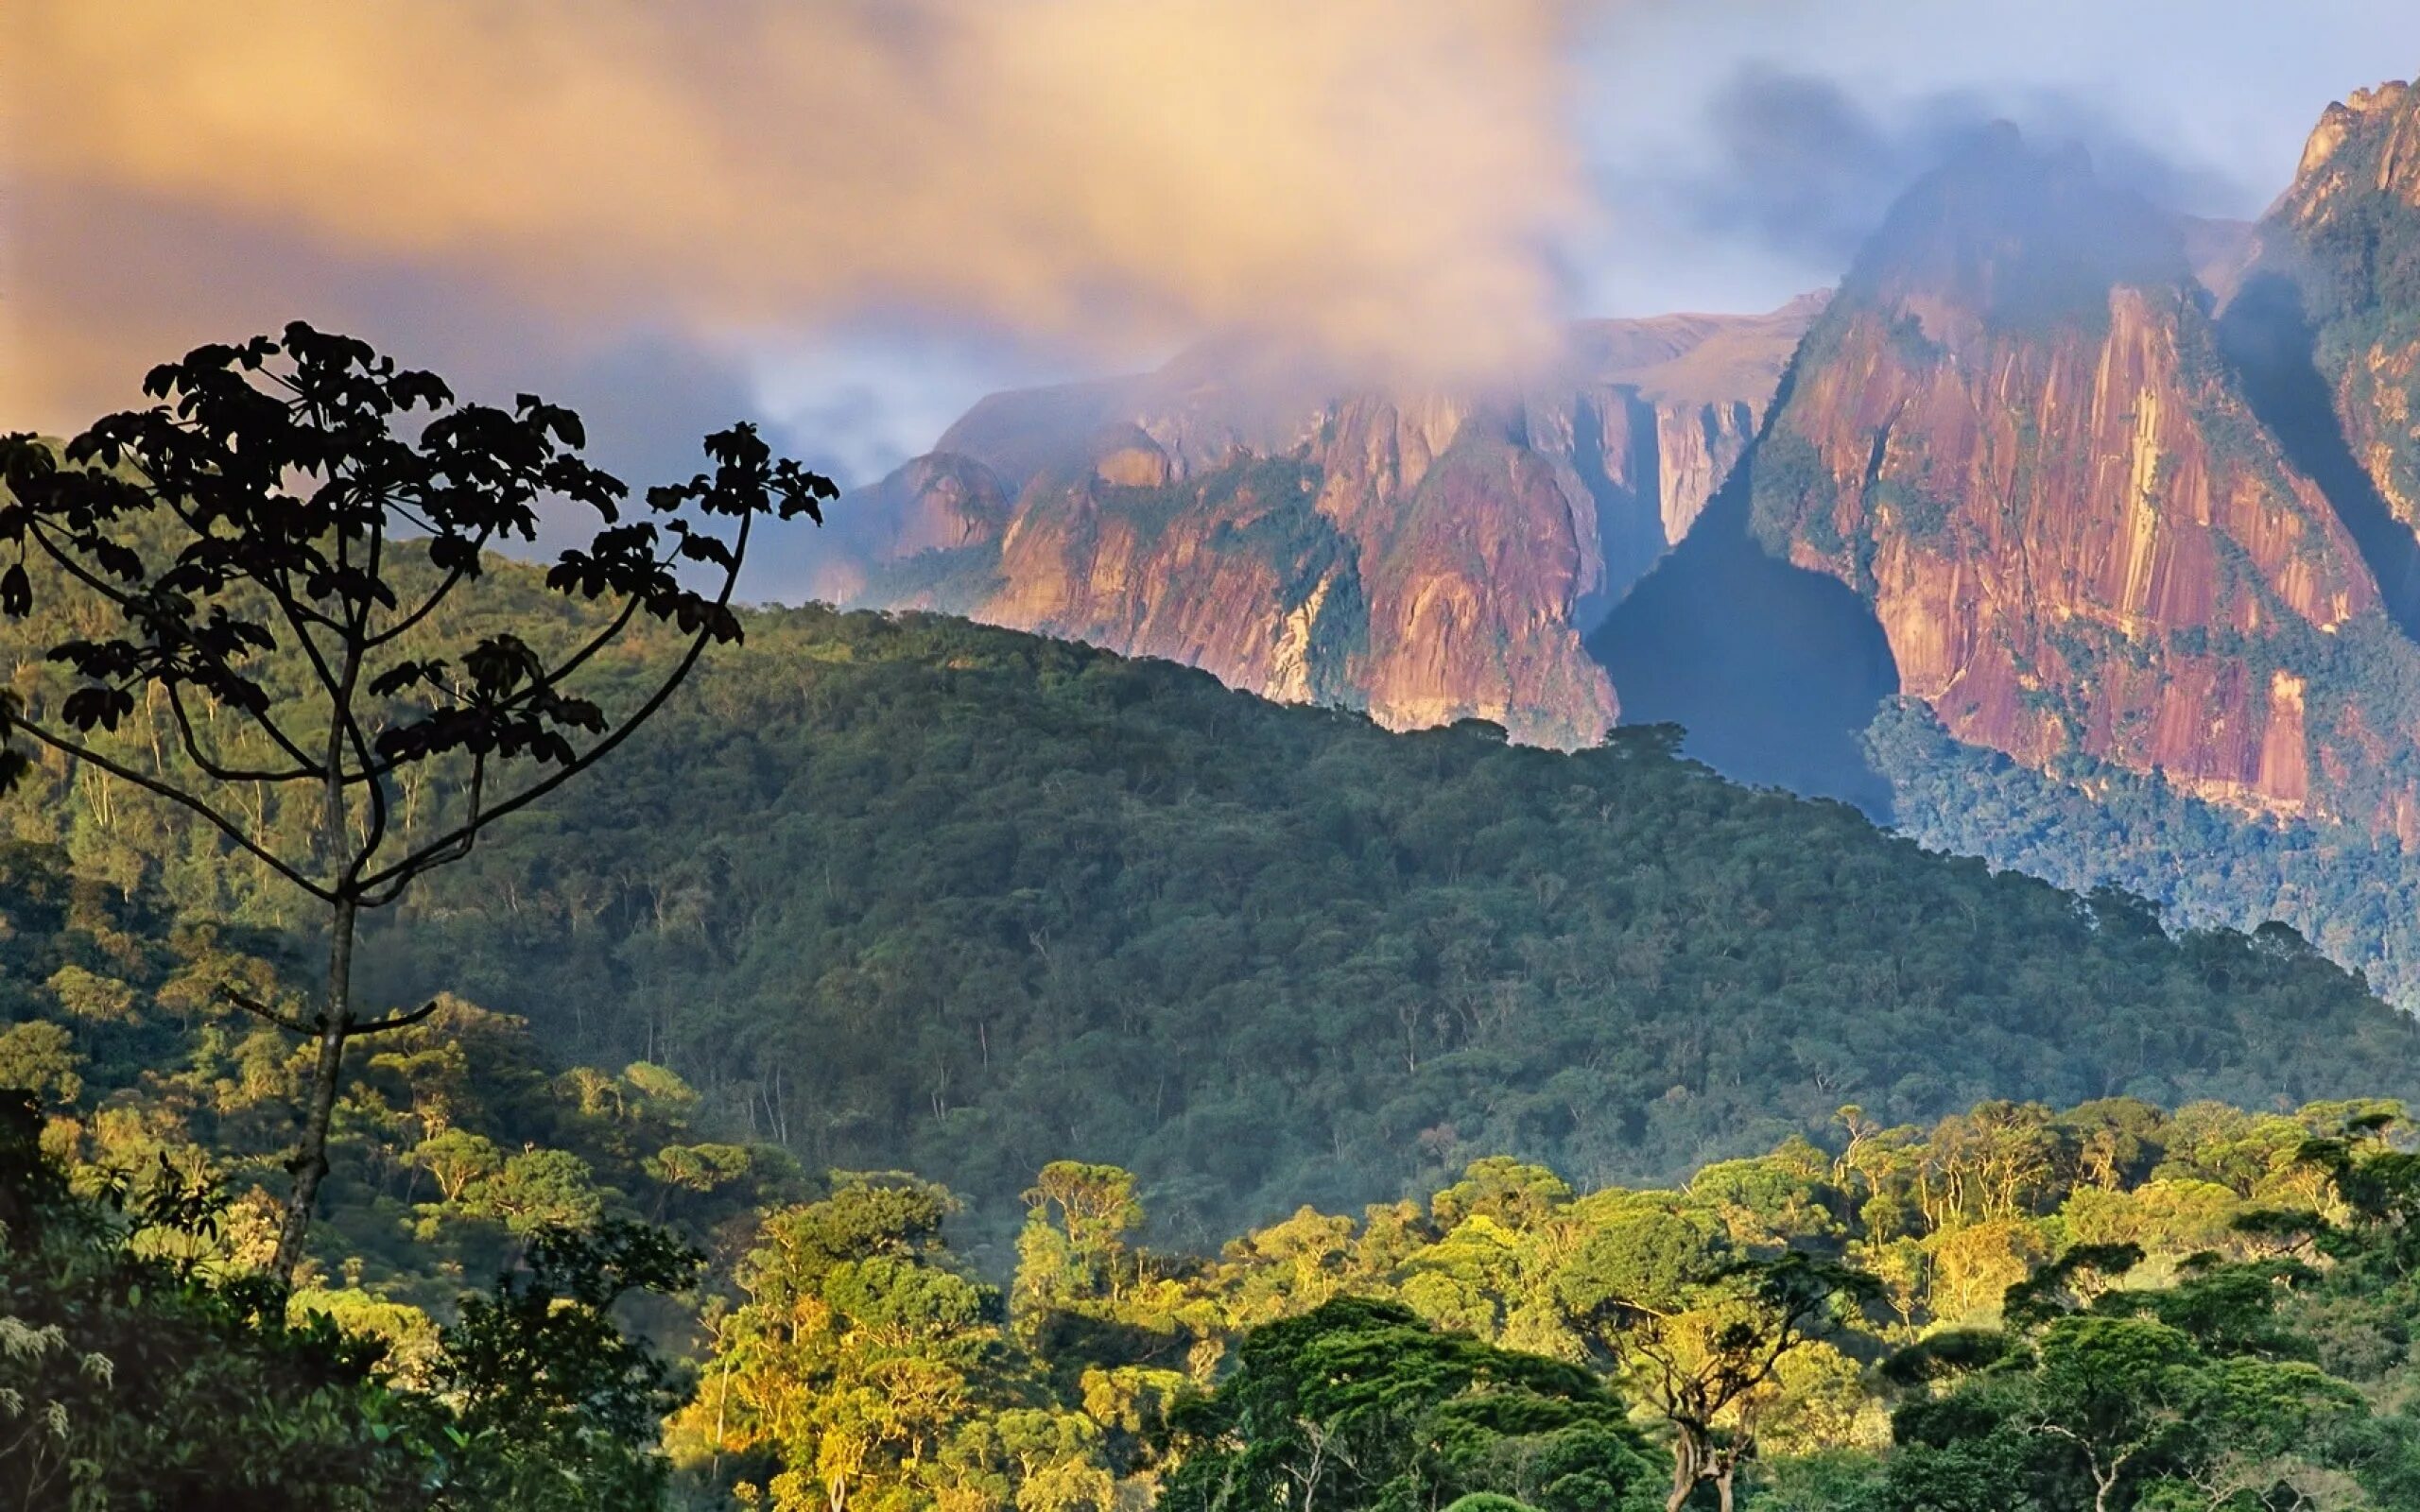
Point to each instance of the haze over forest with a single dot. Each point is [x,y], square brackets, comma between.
[1209,756]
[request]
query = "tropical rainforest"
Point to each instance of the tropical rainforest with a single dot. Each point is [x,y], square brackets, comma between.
[916,892]
[1300,1115]
[929,1066]
[549,1288]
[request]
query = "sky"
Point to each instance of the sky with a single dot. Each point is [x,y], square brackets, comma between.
[848,219]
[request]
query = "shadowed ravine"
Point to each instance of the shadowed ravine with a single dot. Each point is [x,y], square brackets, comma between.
[1774,671]
[2267,338]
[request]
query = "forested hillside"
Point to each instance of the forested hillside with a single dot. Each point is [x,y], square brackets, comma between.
[2085,824]
[917,893]
[2012,1307]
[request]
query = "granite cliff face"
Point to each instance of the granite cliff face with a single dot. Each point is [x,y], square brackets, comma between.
[2097,482]
[1426,556]
[2016,435]
[2348,233]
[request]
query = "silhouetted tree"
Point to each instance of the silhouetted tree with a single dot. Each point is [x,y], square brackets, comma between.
[277,577]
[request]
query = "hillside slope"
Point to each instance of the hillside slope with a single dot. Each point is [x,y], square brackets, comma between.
[927,894]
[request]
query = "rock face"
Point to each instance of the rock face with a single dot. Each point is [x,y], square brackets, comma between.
[2015,434]
[2347,235]
[1426,556]
[2102,486]
[939,505]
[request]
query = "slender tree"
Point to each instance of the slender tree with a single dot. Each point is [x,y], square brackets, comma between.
[265,563]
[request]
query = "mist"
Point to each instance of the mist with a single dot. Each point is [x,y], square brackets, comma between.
[1378,179]
[1794,166]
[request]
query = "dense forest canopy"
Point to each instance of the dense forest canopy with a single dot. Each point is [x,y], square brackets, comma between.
[2013,1308]
[910,892]
[1995,1286]
[2084,824]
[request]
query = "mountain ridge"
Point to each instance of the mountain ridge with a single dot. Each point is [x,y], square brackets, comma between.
[2119,495]
[1422,556]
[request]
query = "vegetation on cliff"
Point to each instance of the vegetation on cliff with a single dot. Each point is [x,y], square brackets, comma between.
[2086,824]
[2347,233]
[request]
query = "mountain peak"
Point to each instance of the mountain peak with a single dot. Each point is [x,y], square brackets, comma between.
[2366,143]
[2007,233]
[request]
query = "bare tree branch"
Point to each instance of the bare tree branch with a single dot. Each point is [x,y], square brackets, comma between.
[231,774]
[276,1016]
[437,595]
[395,1021]
[227,827]
[465,836]
[97,584]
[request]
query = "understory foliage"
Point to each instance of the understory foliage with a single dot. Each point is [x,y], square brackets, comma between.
[141,1368]
[453,1144]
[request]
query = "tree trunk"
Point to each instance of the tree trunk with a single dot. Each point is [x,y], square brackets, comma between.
[1722,1488]
[1689,1466]
[310,1162]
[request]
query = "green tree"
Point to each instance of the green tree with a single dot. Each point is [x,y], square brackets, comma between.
[541,1189]
[2182,1399]
[456,1159]
[1359,1404]
[560,1408]
[1074,1246]
[1700,1333]
[860,1355]
[89,995]
[40,1058]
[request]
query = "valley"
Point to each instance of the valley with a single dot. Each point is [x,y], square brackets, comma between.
[1415,901]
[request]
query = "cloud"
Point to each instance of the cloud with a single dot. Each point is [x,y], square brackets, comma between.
[120,282]
[1383,179]
[1799,165]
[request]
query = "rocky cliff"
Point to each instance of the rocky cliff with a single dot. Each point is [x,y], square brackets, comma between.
[1426,556]
[2348,233]
[2016,436]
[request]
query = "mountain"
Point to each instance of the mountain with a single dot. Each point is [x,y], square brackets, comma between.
[1425,557]
[2014,436]
[2349,233]
[2106,510]
[2154,612]
[2055,462]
